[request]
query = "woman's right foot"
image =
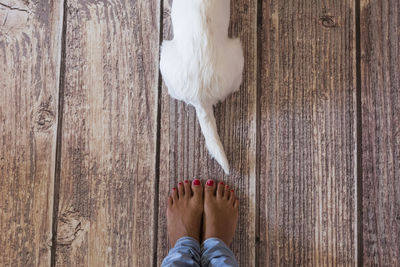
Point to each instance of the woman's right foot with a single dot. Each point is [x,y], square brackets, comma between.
[220,212]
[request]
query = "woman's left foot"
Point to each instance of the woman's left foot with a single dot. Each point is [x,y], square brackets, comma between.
[185,210]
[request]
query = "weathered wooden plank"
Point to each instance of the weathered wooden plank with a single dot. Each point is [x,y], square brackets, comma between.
[307,134]
[183,154]
[106,209]
[30,49]
[380,98]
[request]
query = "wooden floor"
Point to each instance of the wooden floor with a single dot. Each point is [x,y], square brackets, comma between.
[91,143]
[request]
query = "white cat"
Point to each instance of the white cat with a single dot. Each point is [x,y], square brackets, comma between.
[201,65]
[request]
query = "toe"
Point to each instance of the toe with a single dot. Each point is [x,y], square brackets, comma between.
[209,188]
[197,188]
[186,186]
[174,194]
[181,190]
[220,190]
[232,196]
[236,204]
[227,192]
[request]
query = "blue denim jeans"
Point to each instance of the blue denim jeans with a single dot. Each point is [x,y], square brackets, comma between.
[187,252]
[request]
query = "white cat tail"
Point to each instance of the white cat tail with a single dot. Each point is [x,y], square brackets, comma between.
[205,115]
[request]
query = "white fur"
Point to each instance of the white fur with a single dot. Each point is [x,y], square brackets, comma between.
[201,65]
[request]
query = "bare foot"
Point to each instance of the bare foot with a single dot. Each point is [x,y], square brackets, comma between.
[220,212]
[185,210]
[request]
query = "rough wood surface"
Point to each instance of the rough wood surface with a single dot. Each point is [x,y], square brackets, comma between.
[380,97]
[106,209]
[307,134]
[183,154]
[30,37]
[295,114]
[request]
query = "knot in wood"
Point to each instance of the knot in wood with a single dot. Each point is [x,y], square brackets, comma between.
[14,16]
[44,119]
[69,228]
[327,21]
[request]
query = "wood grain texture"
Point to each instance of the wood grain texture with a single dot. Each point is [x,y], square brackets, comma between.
[380,98]
[183,154]
[30,37]
[106,208]
[307,134]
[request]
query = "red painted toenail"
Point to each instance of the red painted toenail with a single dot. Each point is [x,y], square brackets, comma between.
[210,182]
[179,183]
[221,183]
[196,182]
[232,190]
[186,181]
[174,188]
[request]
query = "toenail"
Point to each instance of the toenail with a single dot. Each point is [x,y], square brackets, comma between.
[186,181]
[221,183]
[179,183]
[174,188]
[196,182]
[210,182]
[232,190]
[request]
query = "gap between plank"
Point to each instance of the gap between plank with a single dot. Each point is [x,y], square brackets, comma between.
[158,137]
[259,15]
[359,185]
[56,190]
